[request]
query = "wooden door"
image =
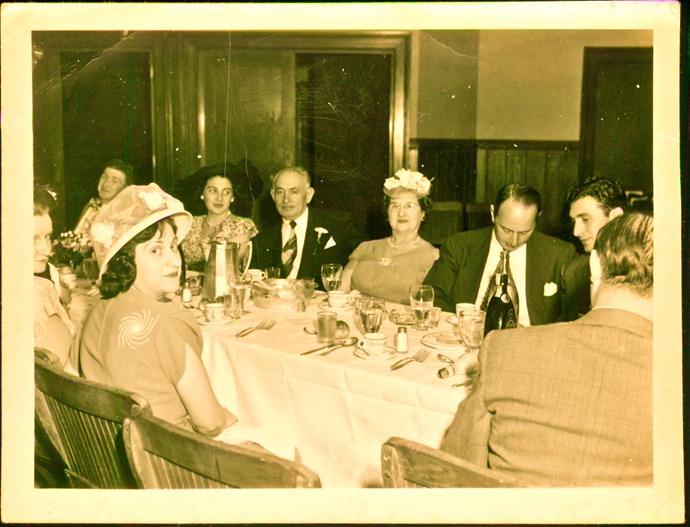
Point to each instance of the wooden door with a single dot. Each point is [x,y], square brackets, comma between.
[343,120]
[616,129]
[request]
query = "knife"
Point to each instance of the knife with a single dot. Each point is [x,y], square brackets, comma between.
[401,363]
[321,348]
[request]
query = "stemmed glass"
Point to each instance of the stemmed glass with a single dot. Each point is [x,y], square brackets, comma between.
[471,327]
[371,314]
[422,302]
[331,275]
[91,270]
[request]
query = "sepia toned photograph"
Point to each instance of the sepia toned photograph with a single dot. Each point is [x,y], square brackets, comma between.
[366,263]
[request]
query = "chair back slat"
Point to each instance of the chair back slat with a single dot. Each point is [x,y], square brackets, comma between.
[162,455]
[405,463]
[84,421]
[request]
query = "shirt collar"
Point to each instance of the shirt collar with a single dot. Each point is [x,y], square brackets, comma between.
[301,220]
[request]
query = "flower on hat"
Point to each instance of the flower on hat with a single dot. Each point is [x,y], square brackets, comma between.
[103,233]
[153,200]
[403,178]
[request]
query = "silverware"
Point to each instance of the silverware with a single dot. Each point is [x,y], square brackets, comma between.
[445,358]
[336,344]
[351,341]
[264,324]
[420,356]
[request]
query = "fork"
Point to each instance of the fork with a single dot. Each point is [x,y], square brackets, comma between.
[420,356]
[264,324]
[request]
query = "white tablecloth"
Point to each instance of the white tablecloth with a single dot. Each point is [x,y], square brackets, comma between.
[339,409]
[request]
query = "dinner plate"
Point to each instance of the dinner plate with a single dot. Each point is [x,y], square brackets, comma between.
[387,354]
[326,305]
[223,322]
[443,341]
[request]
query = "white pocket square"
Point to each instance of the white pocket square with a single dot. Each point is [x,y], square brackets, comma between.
[330,243]
[550,289]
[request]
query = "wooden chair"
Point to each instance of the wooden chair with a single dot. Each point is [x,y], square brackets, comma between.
[165,456]
[409,464]
[83,421]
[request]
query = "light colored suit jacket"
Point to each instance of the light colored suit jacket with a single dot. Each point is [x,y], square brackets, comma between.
[568,404]
[457,273]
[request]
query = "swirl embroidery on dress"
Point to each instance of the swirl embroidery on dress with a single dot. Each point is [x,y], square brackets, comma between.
[135,329]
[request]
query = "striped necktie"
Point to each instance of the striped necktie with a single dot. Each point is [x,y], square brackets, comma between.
[289,250]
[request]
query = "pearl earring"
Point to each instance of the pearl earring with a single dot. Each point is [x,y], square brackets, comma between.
[201,197]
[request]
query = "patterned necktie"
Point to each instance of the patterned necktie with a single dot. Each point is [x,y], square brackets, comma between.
[289,250]
[491,288]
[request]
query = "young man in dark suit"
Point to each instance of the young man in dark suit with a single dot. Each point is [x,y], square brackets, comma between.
[307,237]
[593,203]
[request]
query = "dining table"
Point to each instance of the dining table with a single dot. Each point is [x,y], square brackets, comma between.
[338,408]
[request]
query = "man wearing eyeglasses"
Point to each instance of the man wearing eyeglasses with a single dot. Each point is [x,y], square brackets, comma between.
[469,260]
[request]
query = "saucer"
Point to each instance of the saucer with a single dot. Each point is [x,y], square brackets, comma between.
[441,341]
[387,354]
[325,305]
[223,322]
[452,320]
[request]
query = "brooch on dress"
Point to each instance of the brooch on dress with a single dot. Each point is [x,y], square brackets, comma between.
[385,261]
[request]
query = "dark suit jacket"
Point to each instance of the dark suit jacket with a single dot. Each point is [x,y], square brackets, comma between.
[267,245]
[457,274]
[575,294]
[563,405]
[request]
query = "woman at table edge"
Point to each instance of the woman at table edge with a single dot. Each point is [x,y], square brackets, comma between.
[388,267]
[218,223]
[53,329]
[135,338]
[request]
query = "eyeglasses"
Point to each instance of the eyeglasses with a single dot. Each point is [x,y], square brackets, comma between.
[409,206]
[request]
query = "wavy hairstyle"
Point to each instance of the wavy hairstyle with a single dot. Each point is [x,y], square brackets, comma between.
[121,270]
[625,247]
[607,192]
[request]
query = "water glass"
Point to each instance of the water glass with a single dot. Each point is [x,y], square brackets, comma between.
[233,303]
[331,276]
[244,288]
[273,272]
[422,302]
[371,314]
[471,326]
[326,324]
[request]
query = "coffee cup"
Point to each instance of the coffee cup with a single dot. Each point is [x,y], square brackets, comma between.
[337,298]
[374,344]
[214,311]
[255,274]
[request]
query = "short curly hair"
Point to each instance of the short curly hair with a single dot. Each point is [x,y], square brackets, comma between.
[625,247]
[121,270]
[607,192]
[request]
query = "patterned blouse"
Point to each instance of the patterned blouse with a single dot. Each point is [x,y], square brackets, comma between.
[231,226]
[88,215]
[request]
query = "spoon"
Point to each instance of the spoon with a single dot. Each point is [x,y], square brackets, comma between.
[350,341]
[310,331]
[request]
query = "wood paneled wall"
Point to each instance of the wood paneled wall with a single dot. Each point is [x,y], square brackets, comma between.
[471,172]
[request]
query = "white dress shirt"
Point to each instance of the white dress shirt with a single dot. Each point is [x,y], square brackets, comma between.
[518,268]
[300,233]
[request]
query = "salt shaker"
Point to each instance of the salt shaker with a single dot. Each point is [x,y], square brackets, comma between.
[401,340]
[186,293]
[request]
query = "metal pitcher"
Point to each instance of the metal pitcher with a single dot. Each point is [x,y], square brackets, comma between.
[223,268]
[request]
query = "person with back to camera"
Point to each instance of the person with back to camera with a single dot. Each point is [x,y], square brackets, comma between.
[53,329]
[218,223]
[116,176]
[570,404]
[140,339]
[388,268]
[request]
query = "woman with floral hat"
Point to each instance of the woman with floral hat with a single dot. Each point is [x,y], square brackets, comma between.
[136,337]
[387,268]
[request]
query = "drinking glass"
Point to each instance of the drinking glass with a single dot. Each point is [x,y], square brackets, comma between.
[421,302]
[244,289]
[273,272]
[91,270]
[471,326]
[331,275]
[371,314]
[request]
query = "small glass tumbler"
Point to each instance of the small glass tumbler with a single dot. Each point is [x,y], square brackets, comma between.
[326,324]
[233,303]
